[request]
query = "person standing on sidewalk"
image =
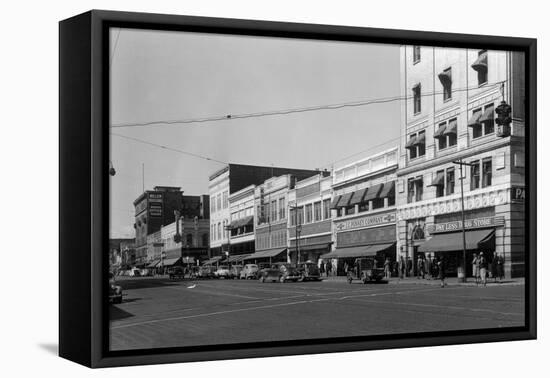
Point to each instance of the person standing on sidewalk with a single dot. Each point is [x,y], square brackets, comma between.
[387,268]
[483,269]
[428,266]
[475,267]
[409,267]
[500,267]
[494,268]
[420,267]
[441,269]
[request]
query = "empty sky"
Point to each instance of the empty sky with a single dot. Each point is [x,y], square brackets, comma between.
[157,75]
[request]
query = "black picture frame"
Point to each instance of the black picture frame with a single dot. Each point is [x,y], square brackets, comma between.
[83,228]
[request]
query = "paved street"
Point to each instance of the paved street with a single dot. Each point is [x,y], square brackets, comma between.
[157,312]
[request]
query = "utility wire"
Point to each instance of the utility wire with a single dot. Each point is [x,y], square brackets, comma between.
[168,148]
[291,110]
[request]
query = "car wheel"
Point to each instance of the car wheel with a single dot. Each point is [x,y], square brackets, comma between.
[282,279]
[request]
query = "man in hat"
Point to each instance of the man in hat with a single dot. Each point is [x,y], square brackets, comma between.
[483,269]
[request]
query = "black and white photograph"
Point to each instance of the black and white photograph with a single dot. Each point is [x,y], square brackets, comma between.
[266,189]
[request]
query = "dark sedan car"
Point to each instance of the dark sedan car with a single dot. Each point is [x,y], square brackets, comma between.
[280,272]
[115,291]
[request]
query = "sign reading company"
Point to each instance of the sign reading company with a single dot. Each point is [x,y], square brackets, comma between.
[468,224]
[518,193]
[373,220]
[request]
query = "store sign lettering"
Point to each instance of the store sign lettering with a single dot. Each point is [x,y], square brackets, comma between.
[457,225]
[518,193]
[366,222]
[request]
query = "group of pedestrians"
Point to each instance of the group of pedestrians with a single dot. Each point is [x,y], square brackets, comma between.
[431,268]
[482,269]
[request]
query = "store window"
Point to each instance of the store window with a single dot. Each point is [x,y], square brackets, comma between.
[474,175]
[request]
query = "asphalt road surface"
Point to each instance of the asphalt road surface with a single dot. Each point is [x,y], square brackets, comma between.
[157,312]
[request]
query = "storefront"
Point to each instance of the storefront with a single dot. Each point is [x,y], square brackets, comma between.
[267,256]
[449,239]
[310,248]
[364,236]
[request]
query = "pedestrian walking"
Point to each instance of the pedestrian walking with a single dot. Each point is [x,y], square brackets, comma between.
[435,268]
[428,266]
[322,268]
[500,267]
[475,268]
[409,266]
[387,268]
[494,268]
[329,268]
[401,267]
[441,269]
[420,267]
[483,269]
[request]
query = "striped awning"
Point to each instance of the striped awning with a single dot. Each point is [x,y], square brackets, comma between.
[265,254]
[374,192]
[345,199]
[358,197]
[335,201]
[388,190]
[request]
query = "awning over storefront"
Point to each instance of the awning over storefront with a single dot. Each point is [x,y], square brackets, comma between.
[481,63]
[358,197]
[170,262]
[488,114]
[266,254]
[212,260]
[236,258]
[388,190]
[153,263]
[439,180]
[475,239]
[374,192]
[344,200]
[361,251]
[242,222]
[474,120]
[451,127]
[311,247]
[334,203]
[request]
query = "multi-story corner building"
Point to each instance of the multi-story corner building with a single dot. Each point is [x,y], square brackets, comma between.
[364,210]
[271,204]
[231,179]
[157,208]
[449,116]
[309,223]
[241,226]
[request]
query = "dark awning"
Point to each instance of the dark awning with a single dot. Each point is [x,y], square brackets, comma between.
[236,258]
[358,197]
[453,241]
[173,261]
[265,254]
[312,247]
[373,192]
[334,203]
[411,142]
[474,120]
[440,131]
[445,77]
[451,127]
[212,260]
[344,200]
[153,263]
[388,190]
[481,63]
[361,251]
[242,222]
[488,114]
[439,180]
[421,139]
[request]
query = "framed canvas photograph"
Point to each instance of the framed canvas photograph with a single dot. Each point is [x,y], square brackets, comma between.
[233,188]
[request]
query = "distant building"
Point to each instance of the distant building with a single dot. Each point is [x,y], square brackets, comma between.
[450,116]
[228,180]
[121,252]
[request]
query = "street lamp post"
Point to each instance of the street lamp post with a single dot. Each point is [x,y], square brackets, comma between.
[460,163]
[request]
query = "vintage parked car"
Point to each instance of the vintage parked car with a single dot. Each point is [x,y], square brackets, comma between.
[207,271]
[365,269]
[249,272]
[280,272]
[176,272]
[222,272]
[115,291]
[309,271]
[235,271]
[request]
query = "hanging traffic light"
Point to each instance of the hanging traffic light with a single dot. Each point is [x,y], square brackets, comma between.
[503,119]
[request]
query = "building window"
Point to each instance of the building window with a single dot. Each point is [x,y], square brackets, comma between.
[487,170]
[474,175]
[419,188]
[317,211]
[219,201]
[450,185]
[421,143]
[482,121]
[451,141]
[410,190]
[350,210]
[446,134]
[416,54]
[225,200]
[378,203]
[274,211]
[412,149]
[415,189]
[300,211]
[292,216]
[442,139]
[447,82]
[282,208]
[219,231]
[309,213]
[213,207]
[481,67]
[488,119]
[417,96]
[440,187]
[416,144]
[326,209]
[204,240]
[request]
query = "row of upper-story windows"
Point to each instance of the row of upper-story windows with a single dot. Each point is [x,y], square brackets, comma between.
[375,197]
[272,210]
[446,79]
[219,231]
[481,176]
[219,202]
[311,212]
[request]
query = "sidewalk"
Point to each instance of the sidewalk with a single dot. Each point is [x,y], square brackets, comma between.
[451,281]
